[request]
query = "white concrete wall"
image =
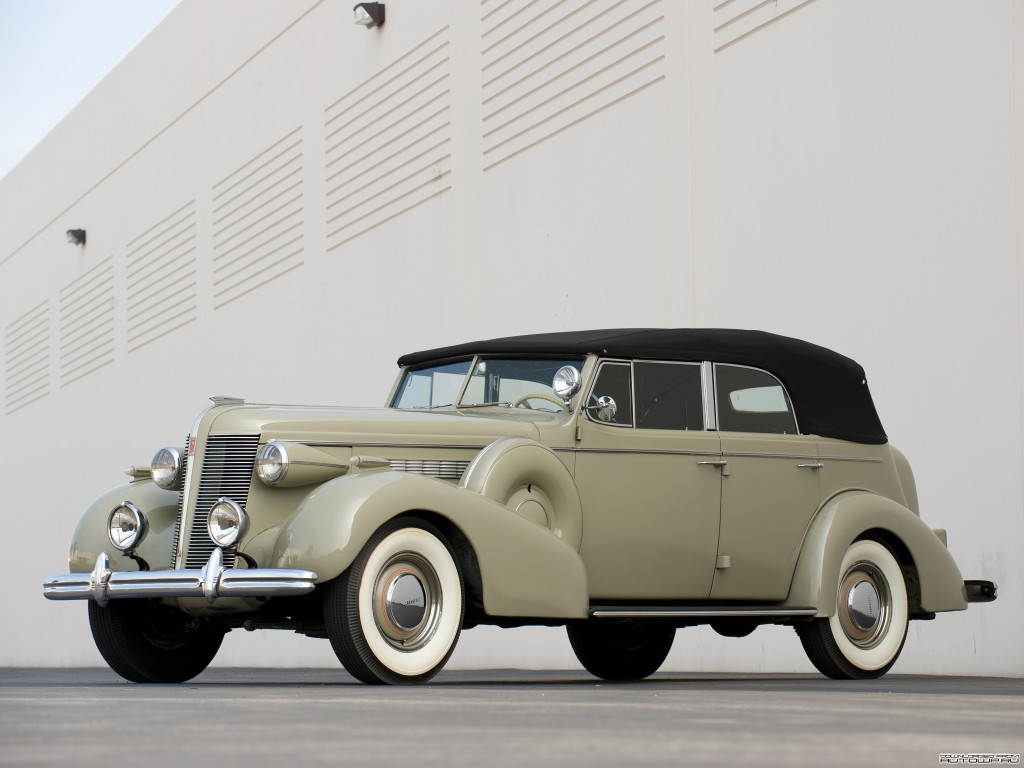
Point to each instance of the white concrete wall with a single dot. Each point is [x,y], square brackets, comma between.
[844,172]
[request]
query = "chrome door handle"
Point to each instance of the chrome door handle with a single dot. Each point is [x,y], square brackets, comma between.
[715,463]
[812,465]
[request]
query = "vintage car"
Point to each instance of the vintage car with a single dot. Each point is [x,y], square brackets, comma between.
[622,483]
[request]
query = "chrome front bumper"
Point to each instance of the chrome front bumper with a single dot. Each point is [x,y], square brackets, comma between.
[213,581]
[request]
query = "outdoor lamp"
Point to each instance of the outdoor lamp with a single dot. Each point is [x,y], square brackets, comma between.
[369,15]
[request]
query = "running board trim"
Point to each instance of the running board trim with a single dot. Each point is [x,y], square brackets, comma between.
[697,612]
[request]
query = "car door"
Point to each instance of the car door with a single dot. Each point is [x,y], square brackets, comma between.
[650,508]
[769,485]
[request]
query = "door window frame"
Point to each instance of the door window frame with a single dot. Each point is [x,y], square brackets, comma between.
[632,392]
[709,392]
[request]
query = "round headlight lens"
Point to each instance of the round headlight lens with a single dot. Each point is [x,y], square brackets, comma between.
[228,522]
[166,468]
[566,382]
[272,463]
[126,526]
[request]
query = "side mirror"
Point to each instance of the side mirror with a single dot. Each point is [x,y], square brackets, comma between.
[567,382]
[604,409]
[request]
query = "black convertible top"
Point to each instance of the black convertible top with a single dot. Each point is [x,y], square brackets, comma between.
[829,391]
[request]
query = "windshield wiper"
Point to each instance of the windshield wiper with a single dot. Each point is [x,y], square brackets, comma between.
[500,404]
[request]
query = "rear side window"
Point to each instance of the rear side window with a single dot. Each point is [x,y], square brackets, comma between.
[750,400]
[668,396]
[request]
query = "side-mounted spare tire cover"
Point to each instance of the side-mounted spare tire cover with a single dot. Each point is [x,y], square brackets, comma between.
[529,478]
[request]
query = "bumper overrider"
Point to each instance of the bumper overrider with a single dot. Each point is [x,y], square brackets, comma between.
[211,582]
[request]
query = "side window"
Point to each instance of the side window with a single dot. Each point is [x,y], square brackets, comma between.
[613,380]
[668,396]
[750,400]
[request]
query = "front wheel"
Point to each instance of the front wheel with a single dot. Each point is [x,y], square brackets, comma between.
[395,615]
[865,635]
[147,642]
[625,651]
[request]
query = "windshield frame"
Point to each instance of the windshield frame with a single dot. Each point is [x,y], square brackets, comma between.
[403,375]
[579,362]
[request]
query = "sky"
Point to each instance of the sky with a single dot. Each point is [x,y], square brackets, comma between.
[53,53]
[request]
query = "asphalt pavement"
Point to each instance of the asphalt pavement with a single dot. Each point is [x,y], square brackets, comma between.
[296,717]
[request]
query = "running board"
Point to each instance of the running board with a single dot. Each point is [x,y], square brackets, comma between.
[699,612]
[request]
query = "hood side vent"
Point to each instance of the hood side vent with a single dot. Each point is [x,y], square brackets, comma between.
[443,470]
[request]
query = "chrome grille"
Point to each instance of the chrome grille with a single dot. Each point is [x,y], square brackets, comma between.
[227,466]
[181,501]
[445,470]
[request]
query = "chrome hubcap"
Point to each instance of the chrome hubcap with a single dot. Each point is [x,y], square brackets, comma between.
[407,601]
[864,604]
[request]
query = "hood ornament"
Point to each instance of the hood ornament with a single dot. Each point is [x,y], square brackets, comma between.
[226,400]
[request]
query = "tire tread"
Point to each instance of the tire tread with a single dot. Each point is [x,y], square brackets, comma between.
[119,632]
[599,648]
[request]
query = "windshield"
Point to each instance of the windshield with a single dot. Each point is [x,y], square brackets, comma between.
[505,381]
[432,386]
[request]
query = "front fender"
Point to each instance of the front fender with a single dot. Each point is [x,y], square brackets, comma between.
[845,518]
[524,568]
[90,537]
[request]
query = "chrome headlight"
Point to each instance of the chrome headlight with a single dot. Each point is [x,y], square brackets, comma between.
[228,522]
[166,468]
[272,463]
[567,382]
[126,526]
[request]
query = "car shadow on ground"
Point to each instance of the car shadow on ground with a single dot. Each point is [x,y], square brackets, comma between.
[513,679]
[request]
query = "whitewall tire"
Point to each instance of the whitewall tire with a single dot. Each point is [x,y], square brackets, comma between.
[864,637]
[395,615]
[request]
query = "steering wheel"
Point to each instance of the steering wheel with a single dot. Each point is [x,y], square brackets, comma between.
[522,400]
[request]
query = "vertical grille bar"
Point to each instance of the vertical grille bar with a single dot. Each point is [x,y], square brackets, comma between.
[227,467]
[181,500]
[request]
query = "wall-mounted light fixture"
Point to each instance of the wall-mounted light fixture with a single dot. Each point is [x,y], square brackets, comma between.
[76,236]
[369,15]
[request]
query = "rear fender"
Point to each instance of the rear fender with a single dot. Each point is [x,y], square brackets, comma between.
[851,515]
[524,568]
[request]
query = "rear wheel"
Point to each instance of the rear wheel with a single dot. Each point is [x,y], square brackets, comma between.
[395,615]
[864,637]
[629,650]
[148,642]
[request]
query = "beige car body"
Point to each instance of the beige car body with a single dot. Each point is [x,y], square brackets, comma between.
[561,512]
[623,483]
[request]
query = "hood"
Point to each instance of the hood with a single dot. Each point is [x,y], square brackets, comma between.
[368,426]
